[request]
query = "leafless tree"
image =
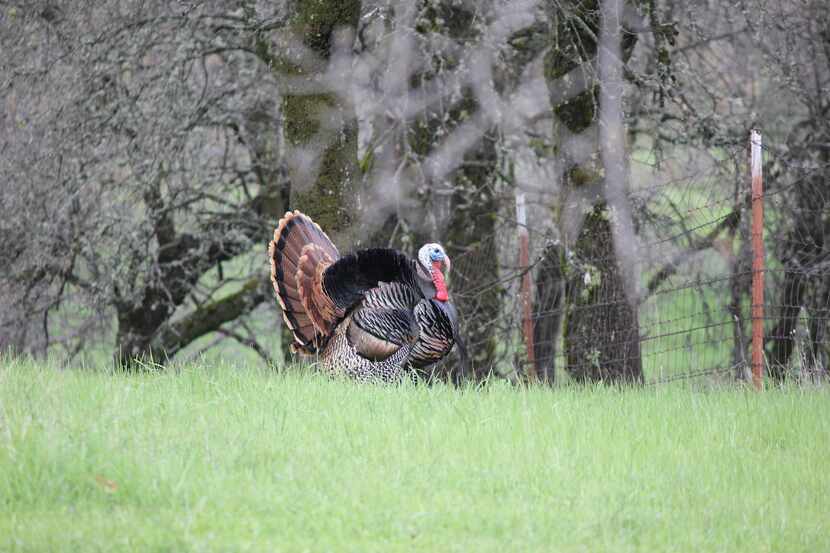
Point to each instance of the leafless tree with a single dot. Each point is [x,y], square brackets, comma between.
[140,154]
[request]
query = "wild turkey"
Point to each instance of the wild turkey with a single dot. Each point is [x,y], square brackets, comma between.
[374,314]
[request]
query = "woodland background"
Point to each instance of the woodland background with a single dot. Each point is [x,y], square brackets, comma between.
[149,147]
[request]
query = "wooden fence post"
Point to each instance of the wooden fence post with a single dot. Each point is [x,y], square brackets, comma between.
[526,296]
[756,167]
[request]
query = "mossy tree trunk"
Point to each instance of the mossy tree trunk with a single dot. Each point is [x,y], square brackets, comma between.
[601,329]
[326,194]
[472,204]
[601,335]
[326,190]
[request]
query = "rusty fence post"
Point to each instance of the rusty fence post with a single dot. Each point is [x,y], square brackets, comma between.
[756,167]
[526,296]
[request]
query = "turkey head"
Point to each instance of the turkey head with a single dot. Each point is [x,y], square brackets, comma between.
[432,264]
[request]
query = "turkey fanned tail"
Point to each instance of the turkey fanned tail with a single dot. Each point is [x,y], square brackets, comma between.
[300,252]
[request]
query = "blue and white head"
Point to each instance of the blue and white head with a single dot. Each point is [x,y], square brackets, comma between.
[434,261]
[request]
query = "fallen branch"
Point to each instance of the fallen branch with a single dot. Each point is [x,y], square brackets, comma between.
[210,317]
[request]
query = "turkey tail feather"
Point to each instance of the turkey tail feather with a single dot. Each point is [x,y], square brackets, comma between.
[299,253]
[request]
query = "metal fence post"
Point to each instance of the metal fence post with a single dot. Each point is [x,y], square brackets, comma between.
[756,168]
[526,285]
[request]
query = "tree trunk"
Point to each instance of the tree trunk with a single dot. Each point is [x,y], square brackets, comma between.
[602,341]
[327,194]
[471,225]
[803,247]
[601,330]
[819,345]
[472,205]
[740,282]
[136,327]
[548,311]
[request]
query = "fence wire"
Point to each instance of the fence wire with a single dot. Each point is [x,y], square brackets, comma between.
[692,318]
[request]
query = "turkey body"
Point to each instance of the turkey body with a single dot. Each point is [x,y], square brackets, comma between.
[374,314]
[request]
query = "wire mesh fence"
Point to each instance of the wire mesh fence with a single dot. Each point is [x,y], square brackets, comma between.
[692,317]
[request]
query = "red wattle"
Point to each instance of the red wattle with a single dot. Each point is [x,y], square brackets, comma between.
[438,281]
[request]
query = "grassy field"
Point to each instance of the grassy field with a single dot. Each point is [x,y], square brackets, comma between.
[212,458]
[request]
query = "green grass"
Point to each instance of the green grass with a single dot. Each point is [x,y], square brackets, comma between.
[221,458]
